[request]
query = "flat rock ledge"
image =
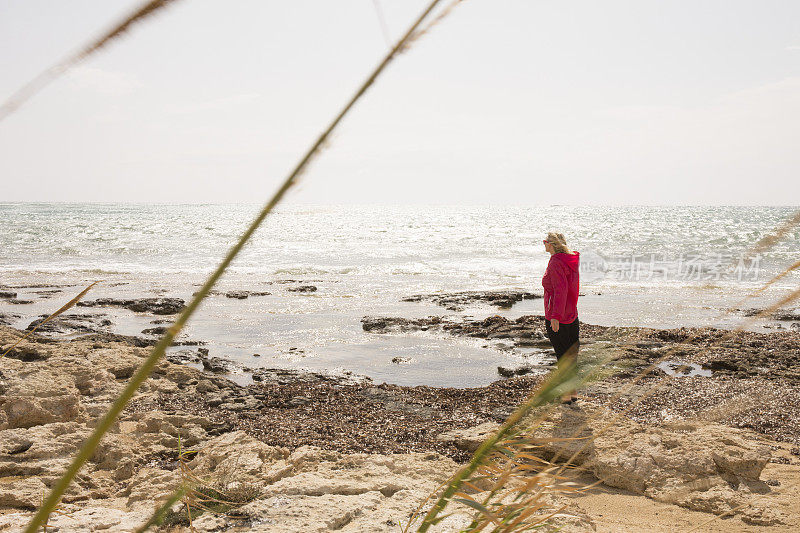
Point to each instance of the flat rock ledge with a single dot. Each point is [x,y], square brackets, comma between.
[524,332]
[458,301]
[493,327]
[155,306]
[779,314]
[71,324]
[700,466]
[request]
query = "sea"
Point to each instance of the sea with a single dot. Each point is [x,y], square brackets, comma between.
[662,267]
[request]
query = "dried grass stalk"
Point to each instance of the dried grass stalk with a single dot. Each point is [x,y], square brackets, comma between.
[65,307]
[480,466]
[49,75]
[91,443]
[509,516]
[771,239]
[777,277]
[433,23]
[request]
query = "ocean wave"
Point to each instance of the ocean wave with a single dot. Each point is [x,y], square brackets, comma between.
[449,243]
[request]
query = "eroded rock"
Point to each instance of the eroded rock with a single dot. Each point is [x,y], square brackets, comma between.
[8,318]
[71,323]
[289,375]
[156,306]
[520,369]
[397,324]
[470,439]
[217,365]
[702,466]
[243,295]
[779,314]
[158,330]
[302,288]
[458,301]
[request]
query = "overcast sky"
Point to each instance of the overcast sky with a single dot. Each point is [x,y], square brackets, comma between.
[506,102]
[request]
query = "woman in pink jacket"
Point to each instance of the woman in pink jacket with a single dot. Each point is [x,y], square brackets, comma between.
[561,283]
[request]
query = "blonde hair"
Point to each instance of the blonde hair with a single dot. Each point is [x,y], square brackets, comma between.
[559,242]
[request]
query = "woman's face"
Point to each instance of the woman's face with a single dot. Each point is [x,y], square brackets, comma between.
[548,246]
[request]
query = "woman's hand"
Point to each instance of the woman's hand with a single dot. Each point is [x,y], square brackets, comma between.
[554,324]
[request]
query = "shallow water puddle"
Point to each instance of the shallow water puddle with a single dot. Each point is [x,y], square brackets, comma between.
[412,360]
[683,370]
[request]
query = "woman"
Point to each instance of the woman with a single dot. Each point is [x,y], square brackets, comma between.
[561,282]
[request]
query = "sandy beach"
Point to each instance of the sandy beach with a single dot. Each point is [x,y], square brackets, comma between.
[305,451]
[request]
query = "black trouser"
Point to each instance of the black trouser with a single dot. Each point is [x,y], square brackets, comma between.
[564,339]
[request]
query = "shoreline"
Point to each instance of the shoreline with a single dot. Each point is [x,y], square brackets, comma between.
[763,390]
[240,335]
[335,432]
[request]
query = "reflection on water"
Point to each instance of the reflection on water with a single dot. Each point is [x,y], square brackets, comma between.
[364,260]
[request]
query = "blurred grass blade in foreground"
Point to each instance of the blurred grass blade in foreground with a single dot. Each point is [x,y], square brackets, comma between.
[489,462]
[103,425]
[46,77]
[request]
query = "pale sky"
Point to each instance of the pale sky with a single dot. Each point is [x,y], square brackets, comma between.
[506,102]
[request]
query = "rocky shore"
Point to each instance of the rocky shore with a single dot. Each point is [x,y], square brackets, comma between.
[458,301]
[745,379]
[715,430]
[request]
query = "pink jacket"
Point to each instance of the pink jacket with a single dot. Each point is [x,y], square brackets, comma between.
[561,283]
